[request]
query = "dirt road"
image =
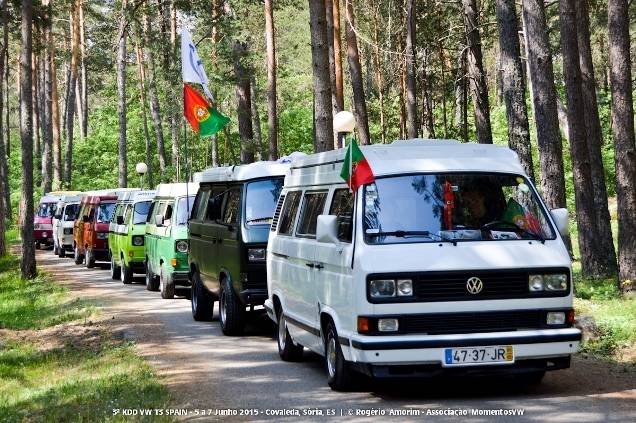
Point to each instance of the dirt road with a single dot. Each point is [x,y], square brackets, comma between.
[209,373]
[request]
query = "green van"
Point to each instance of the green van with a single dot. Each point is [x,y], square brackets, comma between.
[167,238]
[127,230]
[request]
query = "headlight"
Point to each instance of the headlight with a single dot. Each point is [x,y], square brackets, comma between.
[181,246]
[138,240]
[549,282]
[382,288]
[404,287]
[256,254]
[36,226]
[102,235]
[387,325]
[555,318]
[68,231]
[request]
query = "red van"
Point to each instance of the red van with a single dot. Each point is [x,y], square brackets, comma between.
[90,230]
[43,218]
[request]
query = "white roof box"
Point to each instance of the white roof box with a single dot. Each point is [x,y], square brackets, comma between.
[177,190]
[246,172]
[135,196]
[66,199]
[407,156]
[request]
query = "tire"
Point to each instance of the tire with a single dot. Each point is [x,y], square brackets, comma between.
[38,245]
[151,280]
[126,274]
[89,261]
[202,304]
[530,378]
[115,271]
[339,373]
[287,350]
[77,257]
[56,250]
[231,311]
[62,253]
[166,286]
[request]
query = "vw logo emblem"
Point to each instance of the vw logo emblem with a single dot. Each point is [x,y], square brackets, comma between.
[474,285]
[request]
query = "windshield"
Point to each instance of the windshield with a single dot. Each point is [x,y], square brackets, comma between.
[105,212]
[70,212]
[141,212]
[260,201]
[453,207]
[46,209]
[185,205]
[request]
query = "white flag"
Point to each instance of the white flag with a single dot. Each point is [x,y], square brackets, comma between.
[191,65]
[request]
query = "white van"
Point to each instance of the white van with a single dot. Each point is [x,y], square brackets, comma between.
[63,220]
[449,261]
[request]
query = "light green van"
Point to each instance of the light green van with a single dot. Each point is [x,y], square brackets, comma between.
[167,238]
[126,239]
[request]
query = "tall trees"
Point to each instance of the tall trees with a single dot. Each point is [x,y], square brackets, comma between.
[478,84]
[141,75]
[243,100]
[411,98]
[607,256]
[355,70]
[623,133]
[514,91]
[47,57]
[121,95]
[544,98]
[323,123]
[5,200]
[272,118]
[70,100]
[27,262]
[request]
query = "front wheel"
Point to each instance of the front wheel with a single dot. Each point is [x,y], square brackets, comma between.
[202,304]
[56,250]
[287,350]
[231,311]
[62,252]
[77,257]
[339,373]
[90,260]
[38,245]
[115,271]
[165,285]
[126,274]
[151,280]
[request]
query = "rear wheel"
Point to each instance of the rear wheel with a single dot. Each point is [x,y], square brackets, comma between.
[126,274]
[61,252]
[231,310]
[339,373]
[151,280]
[115,271]
[165,285]
[202,304]
[287,350]
[90,260]
[77,257]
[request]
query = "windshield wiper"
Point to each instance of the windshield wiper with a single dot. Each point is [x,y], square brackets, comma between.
[406,234]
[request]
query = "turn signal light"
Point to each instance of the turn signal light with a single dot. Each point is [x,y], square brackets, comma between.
[130,253]
[570,317]
[173,262]
[363,325]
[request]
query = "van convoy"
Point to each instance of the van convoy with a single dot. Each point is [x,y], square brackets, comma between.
[448,262]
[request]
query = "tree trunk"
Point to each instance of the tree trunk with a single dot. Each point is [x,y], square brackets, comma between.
[337,54]
[513,89]
[155,111]
[378,75]
[623,133]
[121,96]
[243,100]
[83,77]
[332,59]
[545,106]
[27,262]
[411,98]
[141,73]
[214,140]
[355,70]
[582,174]
[594,136]
[442,61]
[478,83]
[5,197]
[57,139]
[272,118]
[70,102]
[428,120]
[256,120]
[37,142]
[323,117]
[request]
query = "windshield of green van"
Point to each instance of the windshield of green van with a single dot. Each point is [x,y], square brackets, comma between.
[183,209]
[140,213]
[453,207]
[105,212]
[260,201]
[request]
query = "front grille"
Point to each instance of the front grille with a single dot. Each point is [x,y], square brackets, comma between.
[452,286]
[447,323]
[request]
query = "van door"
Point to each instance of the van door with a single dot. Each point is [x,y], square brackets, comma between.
[210,260]
[195,227]
[228,232]
[150,239]
[334,276]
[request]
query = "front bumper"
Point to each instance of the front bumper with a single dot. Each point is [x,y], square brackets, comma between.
[100,254]
[180,278]
[253,296]
[430,350]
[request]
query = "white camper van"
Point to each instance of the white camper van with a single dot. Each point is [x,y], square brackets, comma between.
[450,260]
[63,220]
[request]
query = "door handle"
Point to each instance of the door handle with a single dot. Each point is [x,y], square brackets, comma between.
[310,265]
[319,266]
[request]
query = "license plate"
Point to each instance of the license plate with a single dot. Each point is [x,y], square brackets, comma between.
[478,355]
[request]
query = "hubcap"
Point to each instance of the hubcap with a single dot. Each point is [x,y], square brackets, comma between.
[161,278]
[331,356]
[194,295]
[282,332]
[222,307]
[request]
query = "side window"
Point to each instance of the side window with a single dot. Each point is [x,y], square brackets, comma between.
[342,207]
[128,208]
[313,205]
[168,213]
[232,207]
[151,213]
[200,202]
[288,215]
[215,201]
[91,214]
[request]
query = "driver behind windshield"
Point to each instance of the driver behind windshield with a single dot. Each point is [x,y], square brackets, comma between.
[480,203]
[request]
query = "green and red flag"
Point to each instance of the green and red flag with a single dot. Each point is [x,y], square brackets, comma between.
[205,120]
[355,169]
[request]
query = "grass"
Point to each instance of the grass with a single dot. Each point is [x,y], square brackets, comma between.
[51,371]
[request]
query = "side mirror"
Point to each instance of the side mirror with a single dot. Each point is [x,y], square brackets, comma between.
[85,219]
[159,220]
[58,216]
[327,228]
[561,218]
[120,220]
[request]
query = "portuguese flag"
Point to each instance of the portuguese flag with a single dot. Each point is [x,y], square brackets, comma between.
[205,120]
[355,169]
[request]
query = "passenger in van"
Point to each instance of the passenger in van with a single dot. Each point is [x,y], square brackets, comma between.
[481,203]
